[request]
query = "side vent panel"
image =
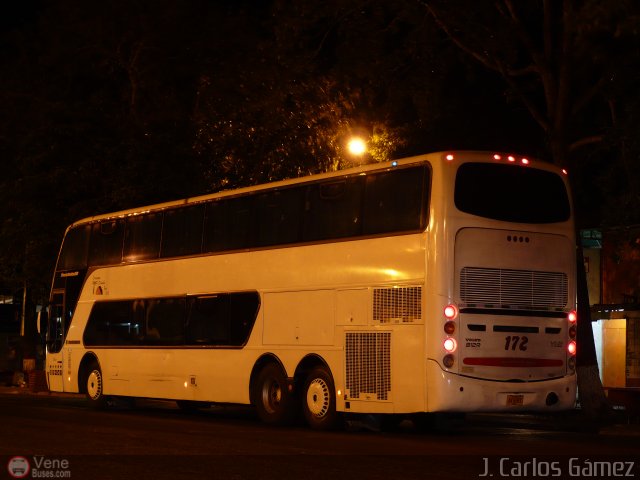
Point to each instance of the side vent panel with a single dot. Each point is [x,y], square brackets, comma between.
[397,305]
[368,365]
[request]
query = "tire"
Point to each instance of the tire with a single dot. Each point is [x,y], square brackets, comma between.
[94,386]
[319,400]
[272,396]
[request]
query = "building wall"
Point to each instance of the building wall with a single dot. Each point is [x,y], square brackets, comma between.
[621,266]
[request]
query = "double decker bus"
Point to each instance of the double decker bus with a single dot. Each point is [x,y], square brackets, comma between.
[439,283]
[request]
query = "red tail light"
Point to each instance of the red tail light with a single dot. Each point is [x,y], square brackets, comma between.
[450,345]
[572,316]
[451,312]
[572,347]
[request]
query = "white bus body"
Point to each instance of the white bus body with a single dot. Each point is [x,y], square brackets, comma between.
[349,324]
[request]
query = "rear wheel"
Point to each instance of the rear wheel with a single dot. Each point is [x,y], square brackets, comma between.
[272,396]
[319,400]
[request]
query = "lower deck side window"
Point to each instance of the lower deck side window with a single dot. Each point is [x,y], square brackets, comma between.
[222,320]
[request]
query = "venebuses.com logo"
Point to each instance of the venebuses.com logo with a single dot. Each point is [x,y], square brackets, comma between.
[18,467]
[38,467]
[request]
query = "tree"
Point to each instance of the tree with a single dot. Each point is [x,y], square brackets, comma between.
[557,58]
[100,120]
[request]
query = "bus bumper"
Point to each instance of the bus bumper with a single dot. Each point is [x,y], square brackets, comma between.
[450,392]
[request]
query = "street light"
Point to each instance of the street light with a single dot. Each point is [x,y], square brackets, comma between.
[356,146]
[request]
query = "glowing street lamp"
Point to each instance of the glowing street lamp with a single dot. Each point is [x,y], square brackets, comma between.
[356,146]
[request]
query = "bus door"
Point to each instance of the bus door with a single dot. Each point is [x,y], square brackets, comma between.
[55,340]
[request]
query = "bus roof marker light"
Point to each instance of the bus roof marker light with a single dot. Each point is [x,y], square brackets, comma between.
[525,161]
[497,157]
[564,170]
[394,163]
[449,157]
[511,158]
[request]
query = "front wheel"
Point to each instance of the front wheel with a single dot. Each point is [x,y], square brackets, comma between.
[95,387]
[319,400]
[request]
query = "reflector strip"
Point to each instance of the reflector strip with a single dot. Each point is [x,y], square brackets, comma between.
[512,362]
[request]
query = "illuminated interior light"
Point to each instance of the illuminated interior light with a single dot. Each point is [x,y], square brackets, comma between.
[450,345]
[449,157]
[572,316]
[572,347]
[394,163]
[511,158]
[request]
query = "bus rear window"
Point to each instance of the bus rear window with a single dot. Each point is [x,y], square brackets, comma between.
[511,193]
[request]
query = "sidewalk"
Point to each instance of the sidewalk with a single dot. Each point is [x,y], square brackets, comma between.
[25,390]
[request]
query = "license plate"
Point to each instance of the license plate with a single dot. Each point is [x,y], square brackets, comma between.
[515,400]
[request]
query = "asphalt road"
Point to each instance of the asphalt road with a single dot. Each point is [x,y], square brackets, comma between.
[62,437]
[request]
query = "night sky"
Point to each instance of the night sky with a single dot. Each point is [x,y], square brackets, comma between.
[116,104]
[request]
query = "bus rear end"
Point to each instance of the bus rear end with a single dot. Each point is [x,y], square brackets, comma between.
[504,338]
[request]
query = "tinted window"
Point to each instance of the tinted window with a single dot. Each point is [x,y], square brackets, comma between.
[224,319]
[113,323]
[213,320]
[182,231]
[244,308]
[75,248]
[165,321]
[106,242]
[279,216]
[228,224]
[142,237]
[209,321]
[334,209]
[511,193]
[394,201]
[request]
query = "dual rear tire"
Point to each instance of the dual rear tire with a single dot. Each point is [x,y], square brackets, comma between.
[278,402]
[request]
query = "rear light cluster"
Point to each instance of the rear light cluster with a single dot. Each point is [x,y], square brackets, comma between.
[572,346]
[450,345]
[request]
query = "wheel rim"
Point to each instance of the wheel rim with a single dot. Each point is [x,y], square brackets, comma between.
[271,396]
[94,385]
[318,397]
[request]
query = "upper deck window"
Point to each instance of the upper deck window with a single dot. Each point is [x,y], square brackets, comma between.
[511,193]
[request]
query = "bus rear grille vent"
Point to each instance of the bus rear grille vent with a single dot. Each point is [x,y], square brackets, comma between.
[368,365]
[397,305]
[503,288]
